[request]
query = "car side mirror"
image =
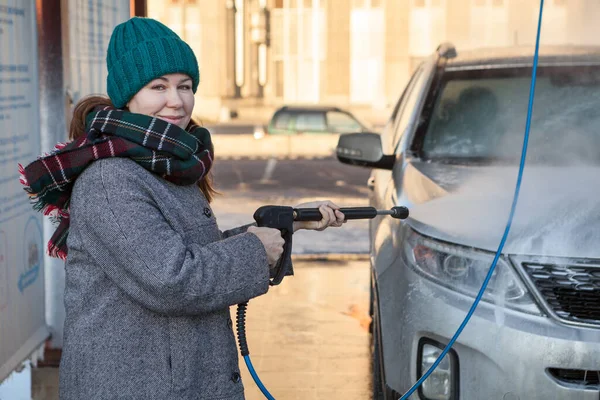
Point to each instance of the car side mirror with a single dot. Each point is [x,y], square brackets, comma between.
[363,149]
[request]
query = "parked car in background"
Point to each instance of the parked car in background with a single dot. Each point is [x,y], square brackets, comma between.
[450,152]
[311,120]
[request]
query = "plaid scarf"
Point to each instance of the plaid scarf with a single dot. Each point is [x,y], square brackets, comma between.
[179,156]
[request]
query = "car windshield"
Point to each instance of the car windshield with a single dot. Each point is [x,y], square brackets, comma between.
[479,116]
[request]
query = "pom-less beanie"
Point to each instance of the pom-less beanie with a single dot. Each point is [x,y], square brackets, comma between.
[143,49]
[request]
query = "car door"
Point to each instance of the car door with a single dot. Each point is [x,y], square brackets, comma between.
[282,123]
[380,179]
[384,182]
[311,123]
[342,122]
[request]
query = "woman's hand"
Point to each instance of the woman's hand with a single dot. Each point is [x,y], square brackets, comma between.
[332,216]
[272,240]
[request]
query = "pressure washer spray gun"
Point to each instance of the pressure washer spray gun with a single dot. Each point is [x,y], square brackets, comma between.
[283,218]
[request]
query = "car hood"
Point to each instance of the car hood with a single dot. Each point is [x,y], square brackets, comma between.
[558,212]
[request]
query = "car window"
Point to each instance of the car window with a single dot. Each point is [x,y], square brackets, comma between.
[481,117]
[342,122]
[311,122]
[282,120]
[407,109]
[402,100]
[388,140]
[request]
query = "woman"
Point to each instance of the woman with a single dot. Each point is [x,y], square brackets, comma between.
[149,276]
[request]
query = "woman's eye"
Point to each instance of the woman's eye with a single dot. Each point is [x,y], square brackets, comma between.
[185,87]
[158,87]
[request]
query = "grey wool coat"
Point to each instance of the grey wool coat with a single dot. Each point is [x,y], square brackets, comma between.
[149,282]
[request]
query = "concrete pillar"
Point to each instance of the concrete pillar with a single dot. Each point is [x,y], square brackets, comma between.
[336,73]
[397,61]
[138,8]
[270,90]
[253,89]
[211,47]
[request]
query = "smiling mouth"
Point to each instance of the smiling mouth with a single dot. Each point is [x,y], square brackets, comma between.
[171,119]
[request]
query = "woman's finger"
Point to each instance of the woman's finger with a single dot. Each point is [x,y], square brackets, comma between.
[332,205]
[339,218]
[332,217]
[326,217]
[337,214]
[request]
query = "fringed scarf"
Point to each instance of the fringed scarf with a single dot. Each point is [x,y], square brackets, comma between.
[179,156]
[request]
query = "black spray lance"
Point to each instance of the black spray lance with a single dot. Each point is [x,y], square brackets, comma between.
[283,218]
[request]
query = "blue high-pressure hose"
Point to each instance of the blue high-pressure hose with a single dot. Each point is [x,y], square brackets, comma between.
[241,335]
[510,218]
[257,380]
[242,307]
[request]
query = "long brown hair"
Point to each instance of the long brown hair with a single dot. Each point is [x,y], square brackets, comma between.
[87,105]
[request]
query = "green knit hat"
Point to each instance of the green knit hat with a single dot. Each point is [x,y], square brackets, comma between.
[143,49]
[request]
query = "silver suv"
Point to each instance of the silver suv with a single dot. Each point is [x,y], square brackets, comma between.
[450,153]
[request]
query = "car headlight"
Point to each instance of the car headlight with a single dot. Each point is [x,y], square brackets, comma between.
[464,269]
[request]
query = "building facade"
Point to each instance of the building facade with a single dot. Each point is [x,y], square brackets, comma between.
[352,53]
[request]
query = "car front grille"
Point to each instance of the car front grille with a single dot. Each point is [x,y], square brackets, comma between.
[576,376]
[571,291]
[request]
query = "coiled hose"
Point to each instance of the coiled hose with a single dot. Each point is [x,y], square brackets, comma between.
[240,319]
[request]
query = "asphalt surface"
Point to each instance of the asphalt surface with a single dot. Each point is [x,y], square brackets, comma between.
[300,178]
[233,129]
[246,185]
[245,128]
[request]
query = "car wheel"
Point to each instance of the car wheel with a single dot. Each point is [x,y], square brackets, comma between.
[371,300]
[378,393]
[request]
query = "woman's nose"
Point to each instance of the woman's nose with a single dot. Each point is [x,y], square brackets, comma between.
[174,99]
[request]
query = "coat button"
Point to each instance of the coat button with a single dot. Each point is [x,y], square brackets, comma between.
[229,323]
[235,377]
[207,212]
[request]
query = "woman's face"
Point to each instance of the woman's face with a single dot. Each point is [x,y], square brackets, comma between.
[168,97]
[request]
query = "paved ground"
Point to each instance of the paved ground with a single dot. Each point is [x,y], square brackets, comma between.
[245,127]
[248,184]
[299,178]
[232,129]
[353,237]
[308,337]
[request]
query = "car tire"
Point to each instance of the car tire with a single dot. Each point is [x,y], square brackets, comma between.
[371,302]
[378,392]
